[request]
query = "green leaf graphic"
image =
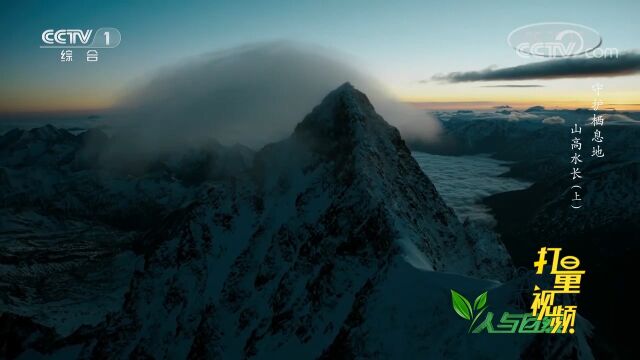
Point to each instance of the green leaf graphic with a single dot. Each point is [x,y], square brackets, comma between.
[480,301]
[475,318]
[461,305]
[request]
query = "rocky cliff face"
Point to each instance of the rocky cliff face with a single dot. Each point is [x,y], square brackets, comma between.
[334,245]
[298,258]
[71,212]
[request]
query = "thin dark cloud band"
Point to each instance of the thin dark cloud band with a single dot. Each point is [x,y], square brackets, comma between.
[512,86]
[625,64]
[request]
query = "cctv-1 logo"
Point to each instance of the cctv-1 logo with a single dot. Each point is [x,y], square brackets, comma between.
[101,38]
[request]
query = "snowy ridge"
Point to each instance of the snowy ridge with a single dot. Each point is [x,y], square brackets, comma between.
[310,256]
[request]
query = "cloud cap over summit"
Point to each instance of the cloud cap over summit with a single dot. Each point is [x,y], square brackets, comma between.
[252,94]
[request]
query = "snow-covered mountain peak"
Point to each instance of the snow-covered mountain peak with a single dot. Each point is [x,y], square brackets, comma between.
[338,116]
[316,251]
[48,133]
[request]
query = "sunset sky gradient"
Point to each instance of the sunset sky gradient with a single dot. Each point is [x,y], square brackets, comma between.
[404,44]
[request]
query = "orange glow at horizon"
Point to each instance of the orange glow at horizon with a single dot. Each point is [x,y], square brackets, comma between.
[58,102]
[619,100]
[486,105]
[29,100]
